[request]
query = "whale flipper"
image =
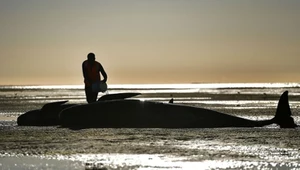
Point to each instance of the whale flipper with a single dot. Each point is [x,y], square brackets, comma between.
[283,113]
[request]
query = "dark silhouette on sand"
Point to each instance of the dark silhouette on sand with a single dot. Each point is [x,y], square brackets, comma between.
[132,113]
[91,70]
[48,115]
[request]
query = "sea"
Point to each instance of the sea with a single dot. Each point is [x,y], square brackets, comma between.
[54,147]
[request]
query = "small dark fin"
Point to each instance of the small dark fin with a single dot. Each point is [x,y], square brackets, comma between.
[171,101]
[118,96]
[53,105]
[283,113]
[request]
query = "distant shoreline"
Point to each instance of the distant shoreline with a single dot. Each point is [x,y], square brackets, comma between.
[163,86]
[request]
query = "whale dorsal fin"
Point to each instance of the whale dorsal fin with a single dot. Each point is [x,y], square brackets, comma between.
[53,105]
[171,101]
[117,96]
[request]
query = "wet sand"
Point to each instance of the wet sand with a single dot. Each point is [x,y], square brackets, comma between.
[124,148]
[54,147]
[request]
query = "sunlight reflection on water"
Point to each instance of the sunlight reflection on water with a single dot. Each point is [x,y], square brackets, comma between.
[266,153]
[135,161]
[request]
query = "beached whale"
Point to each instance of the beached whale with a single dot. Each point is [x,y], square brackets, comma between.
[48,115]
[132,113]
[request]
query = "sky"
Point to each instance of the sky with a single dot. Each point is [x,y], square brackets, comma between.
[44,42]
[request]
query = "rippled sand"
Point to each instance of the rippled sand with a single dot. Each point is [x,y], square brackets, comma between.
[54,147]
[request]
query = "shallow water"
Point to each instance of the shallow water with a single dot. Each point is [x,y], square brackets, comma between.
[225,148]
[125,148]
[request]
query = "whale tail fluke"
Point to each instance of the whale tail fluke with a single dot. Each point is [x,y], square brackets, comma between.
[283,113]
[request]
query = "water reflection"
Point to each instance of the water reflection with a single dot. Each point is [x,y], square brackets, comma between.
[135,161]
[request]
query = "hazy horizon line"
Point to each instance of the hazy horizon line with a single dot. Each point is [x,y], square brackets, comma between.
[167,86]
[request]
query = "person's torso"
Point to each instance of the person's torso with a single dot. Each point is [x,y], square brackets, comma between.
[92,71]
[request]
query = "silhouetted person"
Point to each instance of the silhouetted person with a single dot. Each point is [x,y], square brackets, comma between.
[91,72]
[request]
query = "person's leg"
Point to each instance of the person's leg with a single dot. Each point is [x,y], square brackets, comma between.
[94,96]
[90,95]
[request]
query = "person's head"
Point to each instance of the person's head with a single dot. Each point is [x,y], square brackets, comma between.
[91,57]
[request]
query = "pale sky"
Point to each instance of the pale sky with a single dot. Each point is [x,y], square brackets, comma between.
[150,41]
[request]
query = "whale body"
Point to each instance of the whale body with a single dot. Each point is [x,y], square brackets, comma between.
[48,115]
[131,113]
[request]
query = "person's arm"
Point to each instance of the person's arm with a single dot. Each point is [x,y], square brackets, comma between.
[102,71]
